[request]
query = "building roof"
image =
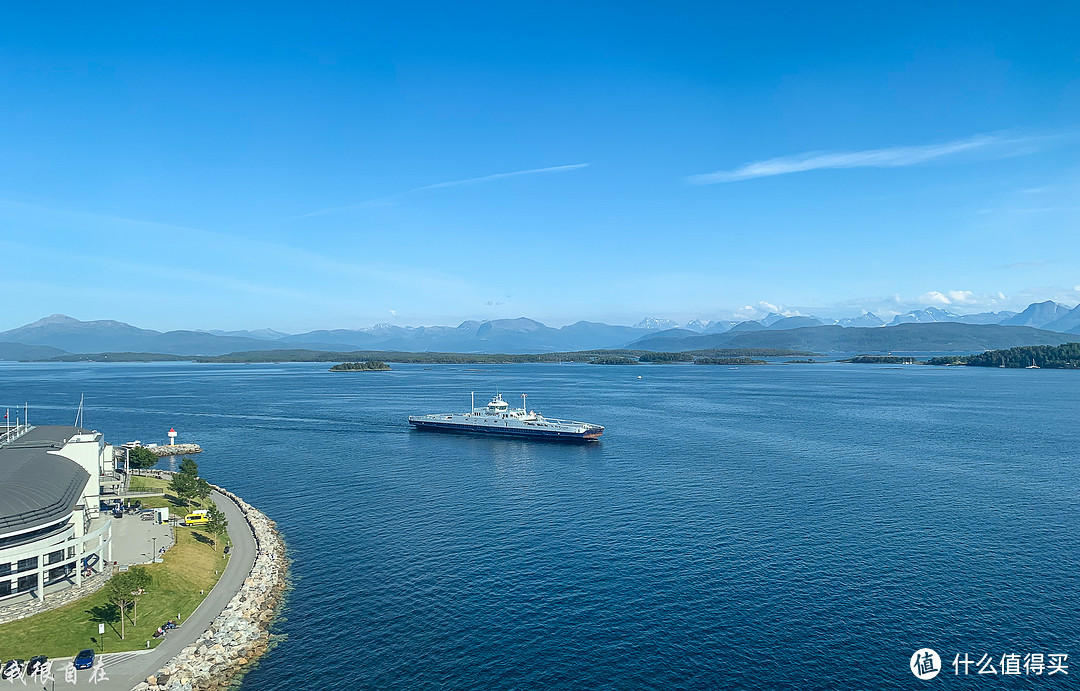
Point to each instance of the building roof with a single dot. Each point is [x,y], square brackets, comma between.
[39,487]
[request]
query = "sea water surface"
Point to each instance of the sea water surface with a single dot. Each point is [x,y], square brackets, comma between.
[770,527]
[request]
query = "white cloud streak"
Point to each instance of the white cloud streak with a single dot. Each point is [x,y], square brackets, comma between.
[500,176]
[386,201]
[894,157]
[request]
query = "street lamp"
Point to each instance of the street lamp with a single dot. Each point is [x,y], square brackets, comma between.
[154,558]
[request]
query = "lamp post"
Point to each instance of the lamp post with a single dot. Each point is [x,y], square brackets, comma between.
[154,558]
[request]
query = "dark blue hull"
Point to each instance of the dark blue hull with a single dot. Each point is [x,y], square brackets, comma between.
[546,435]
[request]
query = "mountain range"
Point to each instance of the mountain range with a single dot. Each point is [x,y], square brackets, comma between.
[1040,323]
[936,337]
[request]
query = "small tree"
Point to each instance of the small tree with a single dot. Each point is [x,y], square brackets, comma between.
[119,594]
[139,579]
[183,486]
[141,458]
[201,489]
[189,467]
[218,525]
[124,590]
[187,484]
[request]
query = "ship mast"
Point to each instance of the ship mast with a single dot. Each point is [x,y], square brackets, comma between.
[524,408]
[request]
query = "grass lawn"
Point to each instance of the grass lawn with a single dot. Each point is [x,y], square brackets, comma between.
[141,483]
[186,569]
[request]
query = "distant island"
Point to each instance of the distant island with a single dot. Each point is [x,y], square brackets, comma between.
[433,358]
[366,366]
[882,360]
[728,361]
[1065,356]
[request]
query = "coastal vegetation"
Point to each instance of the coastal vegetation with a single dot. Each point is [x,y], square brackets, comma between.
[613,360]
[186,484]
[431,358]
[751,352]
[1065,356]
[665,357]
[728,361]
[907,338]
[119,357]
[882,360]
[365,366]
[141,458]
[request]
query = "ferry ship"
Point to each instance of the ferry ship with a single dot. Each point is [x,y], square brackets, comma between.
[497,417]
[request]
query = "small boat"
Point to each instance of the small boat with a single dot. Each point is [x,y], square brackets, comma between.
[1033,365]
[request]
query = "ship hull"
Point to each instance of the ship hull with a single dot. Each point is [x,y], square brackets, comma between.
[495,431]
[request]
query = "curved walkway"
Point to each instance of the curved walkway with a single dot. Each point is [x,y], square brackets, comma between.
[125,670]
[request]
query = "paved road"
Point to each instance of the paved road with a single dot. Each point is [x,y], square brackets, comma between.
[125,670]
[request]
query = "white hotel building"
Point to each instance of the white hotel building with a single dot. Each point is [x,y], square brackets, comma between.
[51,526]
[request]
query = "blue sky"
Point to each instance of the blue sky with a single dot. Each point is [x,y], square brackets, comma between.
[333,166]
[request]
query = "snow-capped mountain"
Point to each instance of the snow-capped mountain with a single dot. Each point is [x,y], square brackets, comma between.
[926,315]
[866,319]
[652,323]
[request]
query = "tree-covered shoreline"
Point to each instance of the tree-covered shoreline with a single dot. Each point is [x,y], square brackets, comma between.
[1065,356]
[365,366]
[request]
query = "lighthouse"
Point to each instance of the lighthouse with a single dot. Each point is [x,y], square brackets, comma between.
[172,437]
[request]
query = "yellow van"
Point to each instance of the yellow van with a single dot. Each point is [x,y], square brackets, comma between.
[197,518]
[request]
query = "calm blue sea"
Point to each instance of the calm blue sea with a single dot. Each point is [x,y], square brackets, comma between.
[780,527]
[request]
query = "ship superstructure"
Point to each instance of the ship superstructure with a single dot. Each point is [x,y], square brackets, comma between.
[497,417]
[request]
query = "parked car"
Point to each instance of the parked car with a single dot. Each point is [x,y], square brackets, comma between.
[85,659]
[12,669]
[147,516]
[36,665]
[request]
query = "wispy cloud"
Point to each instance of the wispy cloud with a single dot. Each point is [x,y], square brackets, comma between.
[387,201]
[500,176]
[1025,264]
[893,157]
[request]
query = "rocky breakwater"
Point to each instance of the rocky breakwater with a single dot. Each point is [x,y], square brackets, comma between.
[161,450]
[240,634]
[176,449]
